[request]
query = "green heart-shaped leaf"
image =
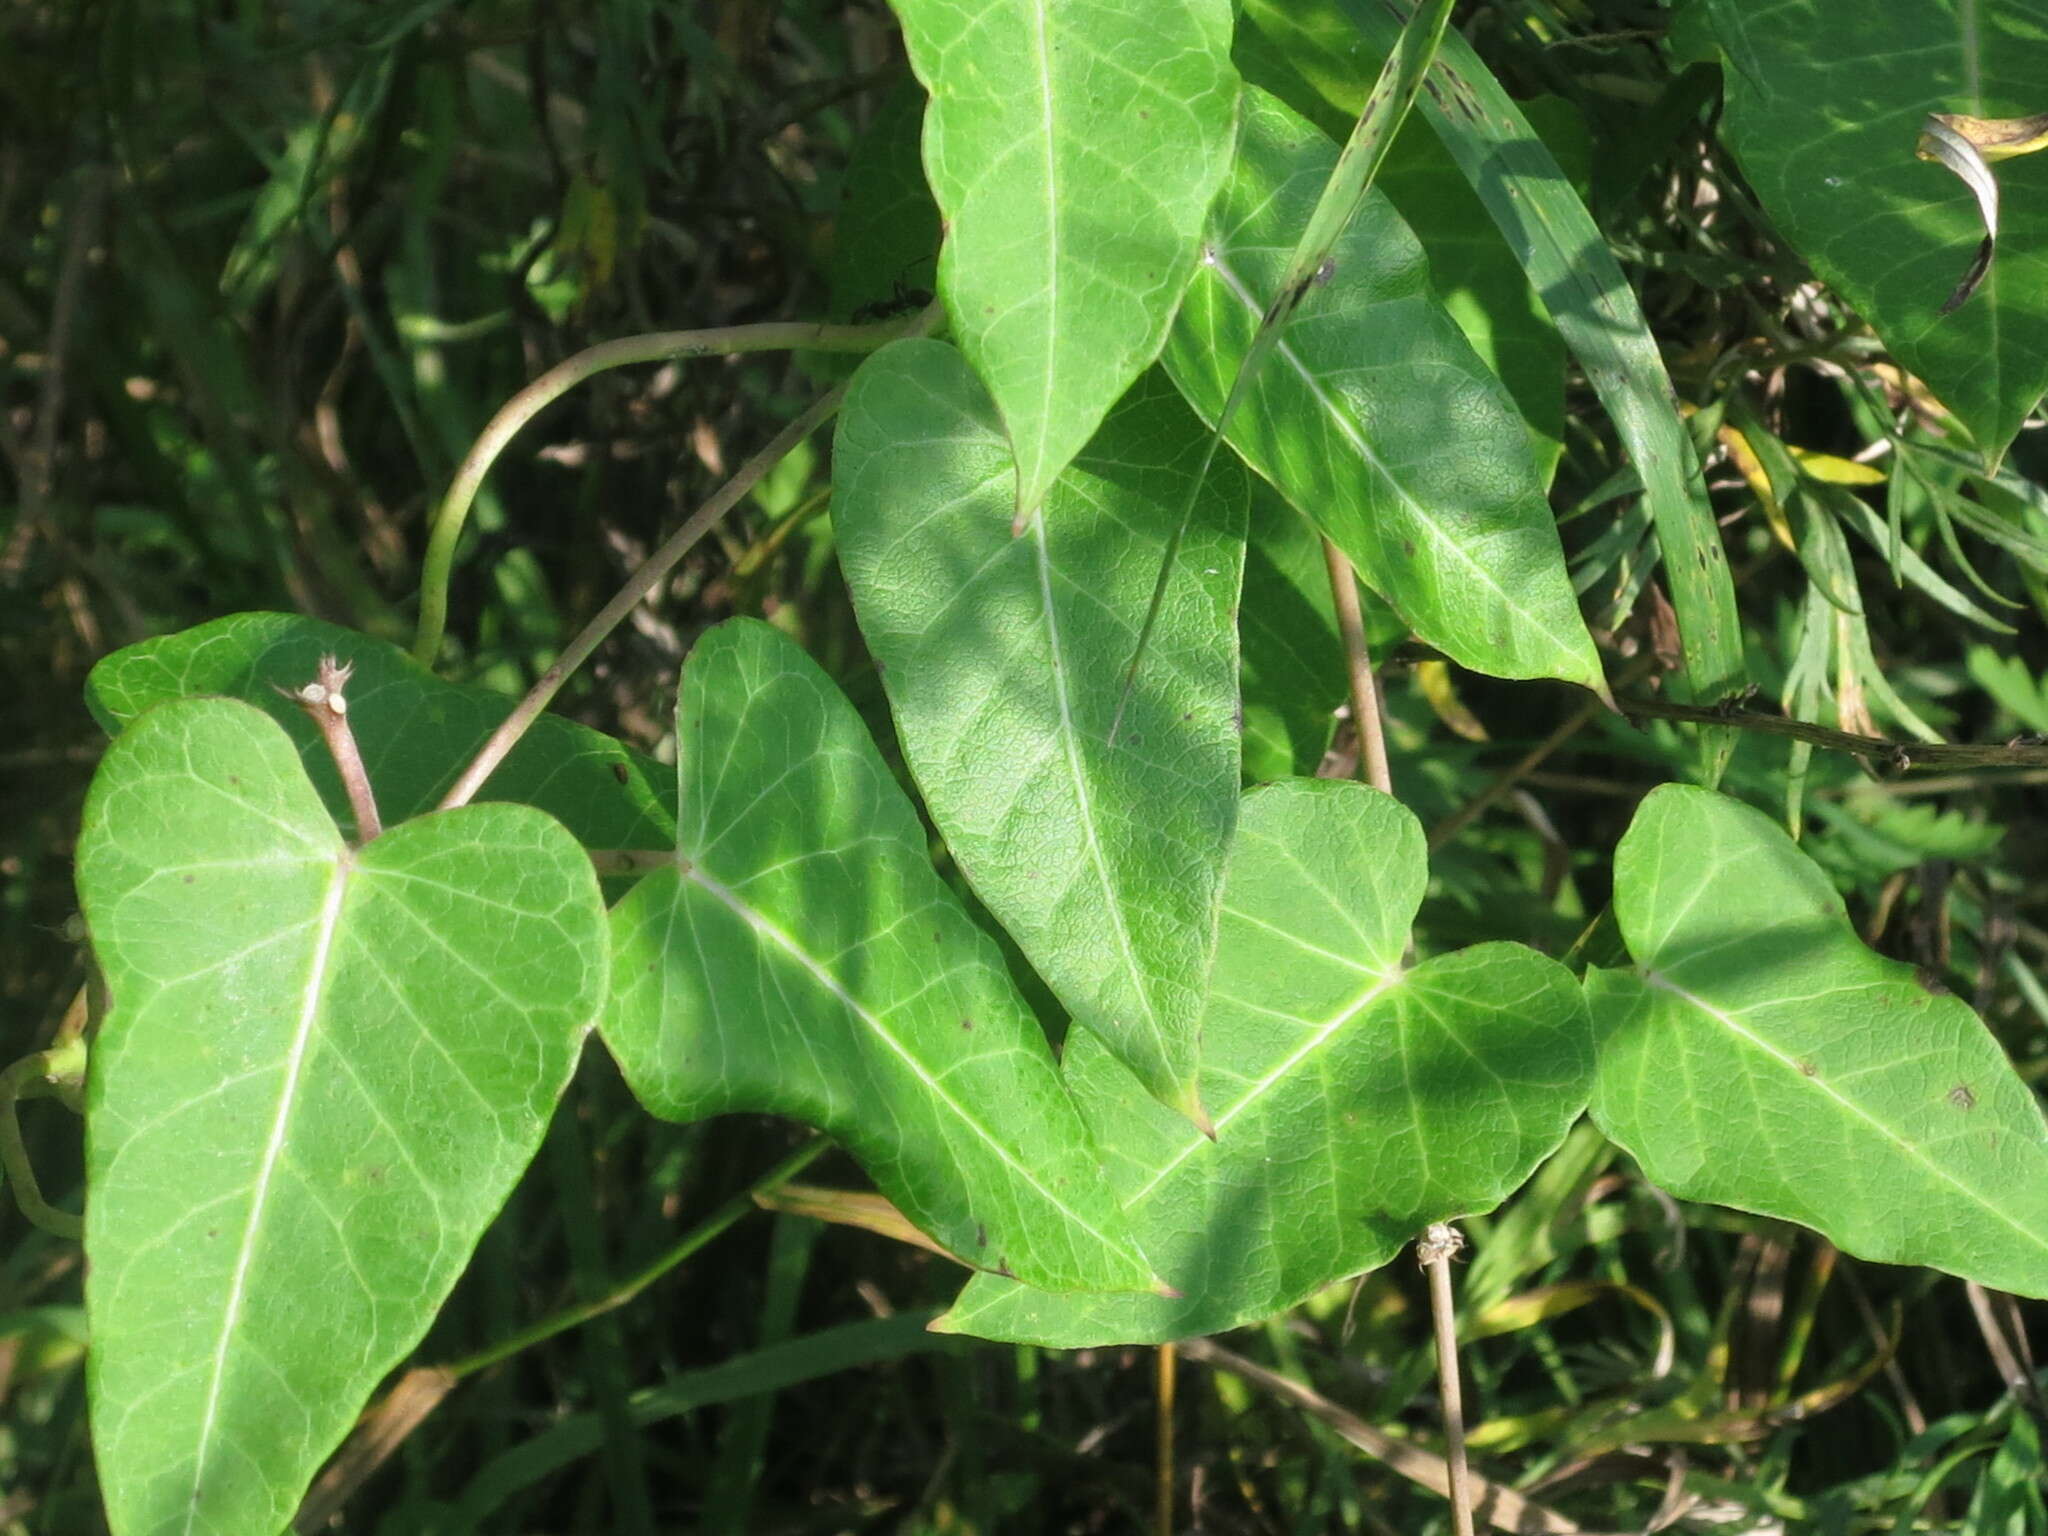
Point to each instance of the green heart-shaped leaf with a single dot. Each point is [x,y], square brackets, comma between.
[1356,1102]
[1762,1057]
[323,1071]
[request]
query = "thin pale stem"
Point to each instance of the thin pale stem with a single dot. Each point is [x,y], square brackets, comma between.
[637,587]
[653,347]
[1501,1507]
[1365,687]
[1163,1450]
[1435,1251]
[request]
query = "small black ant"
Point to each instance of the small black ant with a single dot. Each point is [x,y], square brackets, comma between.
[901,301]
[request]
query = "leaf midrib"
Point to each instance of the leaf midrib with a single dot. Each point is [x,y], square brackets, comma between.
[1734,1025]
[312,994]
[1231,279]
[760,923]
[1258,1090]
[1071,752]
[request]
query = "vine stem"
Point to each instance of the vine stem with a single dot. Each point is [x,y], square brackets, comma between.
[1434,1253]
[326,705]
[1500,1506]
[626,351]
[1365,688]
[1168,1373]
[1442,1240]
[60,1073]
[638,585]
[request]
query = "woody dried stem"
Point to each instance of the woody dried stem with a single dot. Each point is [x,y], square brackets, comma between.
[1365,688]
[326,705]
[1442,1240]
[1438,1246]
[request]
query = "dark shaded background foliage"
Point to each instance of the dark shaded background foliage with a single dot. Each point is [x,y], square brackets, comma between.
[265,269]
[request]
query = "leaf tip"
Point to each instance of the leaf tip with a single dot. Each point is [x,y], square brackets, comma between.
[1026,511]
[1189,1103]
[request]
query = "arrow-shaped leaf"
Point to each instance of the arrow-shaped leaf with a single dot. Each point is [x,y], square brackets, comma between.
[1355,1102]
[1762,1057]
[1073,148]
[323,1072]
[1004,658]
[803,958]
[1377,419]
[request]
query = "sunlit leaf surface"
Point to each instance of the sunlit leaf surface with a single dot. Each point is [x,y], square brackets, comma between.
[1073,146]
[323,1071]
[1762,1057]
[1355,1101]
[804,959]
[1005,658]
[1376,419]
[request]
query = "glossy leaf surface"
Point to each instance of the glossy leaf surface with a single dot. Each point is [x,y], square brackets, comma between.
[1825,117]
[415,730]
[1762,1057]
[1355,1102]
[1073,146]
[804,959]
[323,1072]
[1005,657]
[1376,418]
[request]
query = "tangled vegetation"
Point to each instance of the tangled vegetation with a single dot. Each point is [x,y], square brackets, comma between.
[690,683]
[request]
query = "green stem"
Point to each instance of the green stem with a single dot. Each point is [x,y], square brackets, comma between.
[643,581]
[653,347]
[58,1071]
[712,1226]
